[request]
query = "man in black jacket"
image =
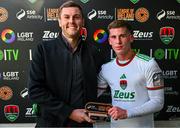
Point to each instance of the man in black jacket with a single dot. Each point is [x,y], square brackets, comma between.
[63,72]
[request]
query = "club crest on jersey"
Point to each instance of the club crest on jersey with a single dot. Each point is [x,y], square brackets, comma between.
[123,84]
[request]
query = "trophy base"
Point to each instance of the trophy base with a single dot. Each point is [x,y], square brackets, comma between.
[98,111]
[99,117]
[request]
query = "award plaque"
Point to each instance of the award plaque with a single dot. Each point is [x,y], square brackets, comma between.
[98,111]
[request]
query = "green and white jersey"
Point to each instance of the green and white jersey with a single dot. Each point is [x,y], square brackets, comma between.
[136,86]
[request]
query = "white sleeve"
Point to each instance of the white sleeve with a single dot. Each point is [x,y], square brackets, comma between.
[155,86]
[102,84]
[155,103]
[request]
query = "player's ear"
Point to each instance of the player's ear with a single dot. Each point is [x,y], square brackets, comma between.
[109,41]
[131,38]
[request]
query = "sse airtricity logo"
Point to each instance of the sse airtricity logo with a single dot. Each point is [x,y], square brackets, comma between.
[20,14]
[92,14]
[8,36]
[100,36]
[161,14]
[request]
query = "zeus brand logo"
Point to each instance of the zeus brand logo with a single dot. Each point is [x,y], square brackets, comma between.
[124,95]
[173,109]
[50,35]
[142,35]
[29,111]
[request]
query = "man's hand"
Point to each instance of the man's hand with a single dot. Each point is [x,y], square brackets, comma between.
[80,116]
[117,113]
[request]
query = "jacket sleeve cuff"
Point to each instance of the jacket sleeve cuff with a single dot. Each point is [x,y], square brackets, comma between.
[66,113]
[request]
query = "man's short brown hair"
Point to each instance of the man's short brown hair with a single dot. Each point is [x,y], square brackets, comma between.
[70,4]
[120,24]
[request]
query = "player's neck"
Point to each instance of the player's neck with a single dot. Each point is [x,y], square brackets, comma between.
[127,56]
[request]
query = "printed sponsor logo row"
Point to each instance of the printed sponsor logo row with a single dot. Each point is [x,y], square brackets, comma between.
[6,93]
[140,14]
[159,53]
[12,112]
[166,35]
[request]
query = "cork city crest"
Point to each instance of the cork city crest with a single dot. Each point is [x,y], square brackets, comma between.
[123,84]
[166,34]
[11,112]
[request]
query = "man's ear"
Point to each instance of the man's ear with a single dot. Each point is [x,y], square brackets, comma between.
[83,23]
[131,38]
[109,41]
[59,21]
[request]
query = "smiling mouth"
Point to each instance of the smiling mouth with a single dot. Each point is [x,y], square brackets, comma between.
[72,28]
[119,48]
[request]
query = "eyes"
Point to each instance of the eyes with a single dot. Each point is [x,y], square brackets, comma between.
[75,17]
[121,36]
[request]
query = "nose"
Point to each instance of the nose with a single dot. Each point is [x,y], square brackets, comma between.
[119,40]
[71,19]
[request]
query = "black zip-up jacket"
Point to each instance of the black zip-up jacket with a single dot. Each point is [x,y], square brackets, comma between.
[50,79]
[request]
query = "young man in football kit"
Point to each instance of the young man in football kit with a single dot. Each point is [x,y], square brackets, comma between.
[135,80]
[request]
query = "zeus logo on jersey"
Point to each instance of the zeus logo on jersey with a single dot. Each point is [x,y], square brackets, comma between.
[124,95]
